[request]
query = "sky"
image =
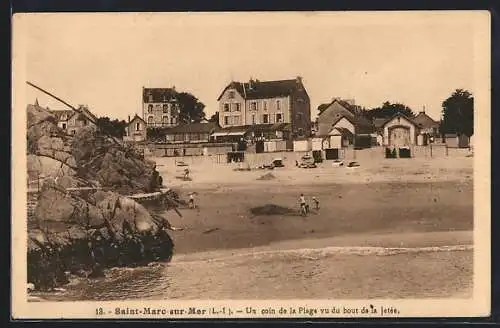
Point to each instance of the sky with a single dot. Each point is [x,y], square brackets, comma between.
[104,60]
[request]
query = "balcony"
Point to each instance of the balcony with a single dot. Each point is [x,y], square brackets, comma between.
[161,125]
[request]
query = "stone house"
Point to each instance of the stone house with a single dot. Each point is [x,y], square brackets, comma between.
[136,129]
[160,107]
[72,121]
[427,125]
[266,102]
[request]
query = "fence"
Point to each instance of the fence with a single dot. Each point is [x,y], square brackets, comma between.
[289,157]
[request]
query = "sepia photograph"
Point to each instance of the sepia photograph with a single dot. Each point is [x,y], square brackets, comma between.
[285,164]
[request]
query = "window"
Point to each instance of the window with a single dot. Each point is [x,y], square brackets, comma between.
[253,119]
[137,126]
[265,118]
[231,95]
[226,107]
[64,126]
[237,107]
[278,105]
[278,118]
[226,120]
[73,131]
[254,105]
[300,132]
[236,120]
[64,117]
[165,108]
[299,116]
[150,109]
[150,97]
[150,120]
[165,119]
[85,122]
[265,105]
[172,120]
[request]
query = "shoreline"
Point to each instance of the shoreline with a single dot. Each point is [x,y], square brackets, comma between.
[410,240]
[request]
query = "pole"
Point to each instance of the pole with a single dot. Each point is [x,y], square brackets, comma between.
[431,149]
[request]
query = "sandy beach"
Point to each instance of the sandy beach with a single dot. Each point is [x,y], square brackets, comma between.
[396,198]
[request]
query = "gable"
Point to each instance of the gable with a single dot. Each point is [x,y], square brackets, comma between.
[226,94]
[399,120]
[425,121]
[333,113]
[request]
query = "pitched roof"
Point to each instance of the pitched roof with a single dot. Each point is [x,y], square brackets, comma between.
[343,131]
[378,122]
[60,113]
[341,102]
[159,94]
[401,115]
[361,124]
[193,128]
[133,118]
[425,121]
[264,89]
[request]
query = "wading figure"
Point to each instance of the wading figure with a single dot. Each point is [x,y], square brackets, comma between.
[186,174]
[191,201]
[316,203]
[303,205]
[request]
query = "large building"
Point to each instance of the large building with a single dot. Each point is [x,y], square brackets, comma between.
[160,107]
[266,102]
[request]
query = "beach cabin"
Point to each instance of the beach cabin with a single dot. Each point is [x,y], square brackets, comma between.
[453,140]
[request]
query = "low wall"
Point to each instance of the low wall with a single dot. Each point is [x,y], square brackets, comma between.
[289,157]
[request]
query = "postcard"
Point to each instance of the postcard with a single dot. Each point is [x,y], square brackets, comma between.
[251,165]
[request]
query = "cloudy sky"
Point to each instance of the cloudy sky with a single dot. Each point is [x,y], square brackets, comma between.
[104,60]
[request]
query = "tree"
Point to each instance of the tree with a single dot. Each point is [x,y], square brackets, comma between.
[387,110]
[214,118]
[191,109]
[115,128]
[458,113]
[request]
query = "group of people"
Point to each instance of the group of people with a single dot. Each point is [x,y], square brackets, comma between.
[304,207]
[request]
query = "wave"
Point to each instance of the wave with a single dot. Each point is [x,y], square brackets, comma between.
[318,253]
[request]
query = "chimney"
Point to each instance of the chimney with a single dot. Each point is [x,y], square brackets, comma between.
[250,84]
[129,119]
[423,110]
[299,79]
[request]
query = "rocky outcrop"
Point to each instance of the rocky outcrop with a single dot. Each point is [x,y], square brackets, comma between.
[85,231]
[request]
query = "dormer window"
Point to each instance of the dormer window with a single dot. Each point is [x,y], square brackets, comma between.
[231,94]
[265,105]
[150,109]
[150,97]
[278,105]
[165,108]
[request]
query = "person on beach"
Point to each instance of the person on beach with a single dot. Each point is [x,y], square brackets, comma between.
[186,174]
[303,205]
[316,203]
[191,201]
